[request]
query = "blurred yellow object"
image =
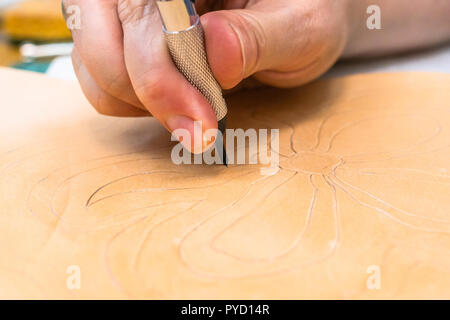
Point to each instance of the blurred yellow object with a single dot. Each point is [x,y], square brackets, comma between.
[9,54]
[39,20]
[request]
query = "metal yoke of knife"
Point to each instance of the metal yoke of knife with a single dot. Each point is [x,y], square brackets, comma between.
[185,39]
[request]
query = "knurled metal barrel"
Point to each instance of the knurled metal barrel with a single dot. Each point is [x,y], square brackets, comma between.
[186,42]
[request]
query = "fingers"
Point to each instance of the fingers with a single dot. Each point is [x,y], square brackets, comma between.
[158,84]
[99,45]
[102,101]
[283,43]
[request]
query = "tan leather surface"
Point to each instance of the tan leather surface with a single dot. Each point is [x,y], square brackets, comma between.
[364,183]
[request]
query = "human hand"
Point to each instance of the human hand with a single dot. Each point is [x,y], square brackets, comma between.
[124,67]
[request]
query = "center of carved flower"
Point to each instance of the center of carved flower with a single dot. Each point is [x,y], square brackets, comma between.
[313,163]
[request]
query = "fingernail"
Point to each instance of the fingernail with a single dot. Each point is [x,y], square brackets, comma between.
[184,129]
[192,134]
[180,122]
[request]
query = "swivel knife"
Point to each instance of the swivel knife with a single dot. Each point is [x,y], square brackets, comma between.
[186,42]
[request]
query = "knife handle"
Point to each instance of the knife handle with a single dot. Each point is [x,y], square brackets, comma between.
[188,52]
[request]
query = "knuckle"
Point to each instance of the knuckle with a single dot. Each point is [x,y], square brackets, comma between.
[101,107]
[254,37]
[133,11]
[116,85]
[96,99]
[149,88]
[102,111]
[151,91]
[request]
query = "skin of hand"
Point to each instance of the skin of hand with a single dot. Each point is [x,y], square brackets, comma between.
[124,67]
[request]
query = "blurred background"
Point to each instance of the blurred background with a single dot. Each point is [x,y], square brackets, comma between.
[34,36]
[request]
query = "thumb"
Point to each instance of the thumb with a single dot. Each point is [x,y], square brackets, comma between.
[282,43]
[243,42]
